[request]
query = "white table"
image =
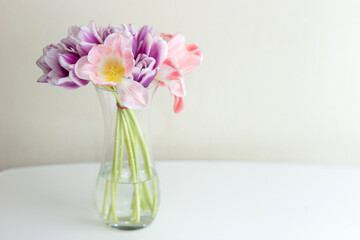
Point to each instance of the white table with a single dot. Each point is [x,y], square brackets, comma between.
[199,200]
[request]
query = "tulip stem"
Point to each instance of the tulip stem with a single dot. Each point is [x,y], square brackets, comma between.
[114,167]
[146,157]
[129,148]
[105,198]
[128,134]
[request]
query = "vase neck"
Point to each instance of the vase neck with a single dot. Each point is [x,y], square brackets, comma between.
[126,141]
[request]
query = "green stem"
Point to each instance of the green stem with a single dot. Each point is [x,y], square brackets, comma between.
[120,161]
[147,195]
[142,143]
[112,208]
[146,198]
[105,198]
[133,143]
[154,198]
[137,138]
[129,148]
[138,190]
[146,156]
[121,154]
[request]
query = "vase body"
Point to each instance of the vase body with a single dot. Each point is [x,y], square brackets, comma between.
[127,192]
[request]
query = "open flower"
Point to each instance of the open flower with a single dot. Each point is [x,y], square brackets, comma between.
[181,59]
[58,61]
[80,40]
[58,65]
[150,51]
[111,64]
[148,48]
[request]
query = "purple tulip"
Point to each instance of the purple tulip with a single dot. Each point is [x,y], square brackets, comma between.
[80,40]
[58,66]
[149,52]
[58,61]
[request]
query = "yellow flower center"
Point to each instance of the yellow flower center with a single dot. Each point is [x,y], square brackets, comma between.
[113,71]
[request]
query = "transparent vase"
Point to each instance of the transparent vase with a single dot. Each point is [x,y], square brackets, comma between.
[127,191]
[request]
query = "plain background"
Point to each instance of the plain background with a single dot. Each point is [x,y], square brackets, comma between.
[279,82]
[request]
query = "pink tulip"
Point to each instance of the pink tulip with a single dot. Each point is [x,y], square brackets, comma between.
[111,64]
[181,59]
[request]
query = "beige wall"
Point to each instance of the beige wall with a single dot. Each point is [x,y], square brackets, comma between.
[279,82]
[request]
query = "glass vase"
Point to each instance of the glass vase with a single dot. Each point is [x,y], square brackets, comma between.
[127,191]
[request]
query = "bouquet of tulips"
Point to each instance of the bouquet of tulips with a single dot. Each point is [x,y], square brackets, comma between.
[122,58]
[126,62]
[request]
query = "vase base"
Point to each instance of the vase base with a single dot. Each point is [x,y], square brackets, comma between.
[129,225]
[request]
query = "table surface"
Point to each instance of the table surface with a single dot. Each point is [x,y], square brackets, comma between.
[199,200]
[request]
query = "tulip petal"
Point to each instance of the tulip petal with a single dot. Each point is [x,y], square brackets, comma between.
[73,30]
[128,61]
[98,53]
[51,59]
[53,76]
[84,69]
[188,63]
[66,83]
[178,104]
[175,44]
[148,78]
[43,79]
[194,49]
[86,34]
[169,71]
[66,60]
[143,32]
[119,42]
[68,46]
[145,45]
[41,64]
[100,82]
[136,73]
[84,48]
[190,59]
[177,88]
[57,80]
[95,32]
[158,51]
[80,82]
[132,94]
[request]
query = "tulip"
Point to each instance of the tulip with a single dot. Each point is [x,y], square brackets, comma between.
[181,59]
[111,65]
